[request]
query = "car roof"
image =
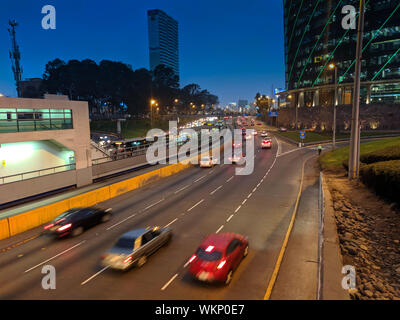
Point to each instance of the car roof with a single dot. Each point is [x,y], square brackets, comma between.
[220,241]
[134,233]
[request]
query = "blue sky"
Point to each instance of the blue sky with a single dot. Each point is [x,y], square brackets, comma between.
[232,48]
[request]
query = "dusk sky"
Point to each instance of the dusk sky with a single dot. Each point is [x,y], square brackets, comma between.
[232,48]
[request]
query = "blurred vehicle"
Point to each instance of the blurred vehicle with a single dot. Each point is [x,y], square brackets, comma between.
[208,162]
[266,143]
[236,158]
[248,137]
[133,247]
[259,123]
[244,131]
[74,221]
[282,129]
[236,145]
[264,134]
[218,257]
[254,132]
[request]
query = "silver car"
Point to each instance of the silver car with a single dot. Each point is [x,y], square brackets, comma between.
[133,247]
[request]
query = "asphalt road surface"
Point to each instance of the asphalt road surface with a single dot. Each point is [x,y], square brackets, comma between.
[194,203]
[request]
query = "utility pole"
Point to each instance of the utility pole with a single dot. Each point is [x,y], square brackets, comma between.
[335,99]
[15,57]
[354,153]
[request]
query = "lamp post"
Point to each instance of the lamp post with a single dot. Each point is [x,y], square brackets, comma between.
[152,103]
[332,66]
[354,153]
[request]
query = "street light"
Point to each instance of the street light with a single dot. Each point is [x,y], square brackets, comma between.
[332,66]
[152,102]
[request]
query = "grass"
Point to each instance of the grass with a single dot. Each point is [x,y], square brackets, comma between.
[324,136]
[333,160]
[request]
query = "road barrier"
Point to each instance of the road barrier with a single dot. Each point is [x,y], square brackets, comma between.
[37,217]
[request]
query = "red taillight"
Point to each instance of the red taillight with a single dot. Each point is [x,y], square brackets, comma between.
[127,259]
[221,264]
[67,226]
[192,258]
[49,226]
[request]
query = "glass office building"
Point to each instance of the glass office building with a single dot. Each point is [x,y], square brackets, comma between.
[163,40]
[315,38]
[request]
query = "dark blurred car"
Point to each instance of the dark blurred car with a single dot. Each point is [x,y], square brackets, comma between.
[282,129]
[74,221]
[133,248]
[218,256]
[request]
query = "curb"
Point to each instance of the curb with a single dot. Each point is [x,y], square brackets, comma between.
[332,260]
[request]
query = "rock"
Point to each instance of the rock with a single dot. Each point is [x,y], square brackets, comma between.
[368,293]
[348,235]
[364,247]
[398,271]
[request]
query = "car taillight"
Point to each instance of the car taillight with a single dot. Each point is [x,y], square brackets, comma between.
[221,264]
[67,226]
[49,226]
[127,259]
[192,258]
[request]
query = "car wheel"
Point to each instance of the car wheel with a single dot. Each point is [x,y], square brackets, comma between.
[228,278]
[77,231]
[142,260]
[106,217]
[246,251]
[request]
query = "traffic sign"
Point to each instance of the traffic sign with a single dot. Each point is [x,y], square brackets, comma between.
[302,134]
[273,114]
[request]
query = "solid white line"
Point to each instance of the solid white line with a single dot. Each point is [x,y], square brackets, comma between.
[171,223]
[93,276]
[181,189]
[229,219]
[230,179]
[195,205]
[169,282]
[152,205]
[216,190]
[237,209]
[220,228]
[121,222]
[65,251]
[199,178]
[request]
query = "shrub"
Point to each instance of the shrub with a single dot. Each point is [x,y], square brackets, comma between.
[387,154]
[383,178]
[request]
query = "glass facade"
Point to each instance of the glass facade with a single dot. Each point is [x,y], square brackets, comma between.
[314,38]
[19,120]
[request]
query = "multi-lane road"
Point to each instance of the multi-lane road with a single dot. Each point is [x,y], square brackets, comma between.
[194,203]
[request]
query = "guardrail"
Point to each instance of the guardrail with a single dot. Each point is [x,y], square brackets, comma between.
[36,173]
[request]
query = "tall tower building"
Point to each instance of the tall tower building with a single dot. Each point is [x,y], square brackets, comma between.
[163,40]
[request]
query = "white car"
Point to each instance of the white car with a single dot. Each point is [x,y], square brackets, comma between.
[248,137]
[235,158]
[266,143]
[264,134]
[208,162]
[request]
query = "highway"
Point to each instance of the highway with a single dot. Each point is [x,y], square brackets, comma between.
[194,203]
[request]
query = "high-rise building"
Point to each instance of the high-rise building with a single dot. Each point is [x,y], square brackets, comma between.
[163,40]
[316,42]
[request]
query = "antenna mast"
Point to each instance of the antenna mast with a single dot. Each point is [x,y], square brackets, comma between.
[15,56]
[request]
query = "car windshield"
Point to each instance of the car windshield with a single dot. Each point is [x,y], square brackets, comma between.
[125,243]
[208,256]
[66,214]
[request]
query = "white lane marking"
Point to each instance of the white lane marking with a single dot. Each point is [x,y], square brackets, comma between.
[229,219]
[220,228]
[248,197]
[109,228]
[152,205]
[238,208]
[186,264]
[244,201]
[255,189]
[181,189]
[65,251]
[171,222]
[94,276]
[216,190]
[195,205]
[230,179]
[199,178]
[169,282]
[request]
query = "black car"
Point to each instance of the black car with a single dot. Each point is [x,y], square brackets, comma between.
[74,221]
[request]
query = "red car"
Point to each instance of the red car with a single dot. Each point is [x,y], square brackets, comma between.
[218,256]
